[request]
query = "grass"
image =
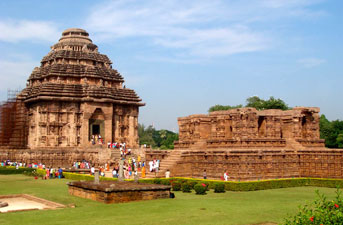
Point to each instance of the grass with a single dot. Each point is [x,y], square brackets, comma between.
[187,208]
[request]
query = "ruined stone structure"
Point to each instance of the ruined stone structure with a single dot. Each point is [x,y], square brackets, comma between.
[251,145]
[72,96]
[249,128]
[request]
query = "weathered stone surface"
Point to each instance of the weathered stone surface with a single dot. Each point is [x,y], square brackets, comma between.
[251,145]
[249,128]
[118,192]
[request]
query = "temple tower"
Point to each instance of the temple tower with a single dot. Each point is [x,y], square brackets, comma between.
[75,95]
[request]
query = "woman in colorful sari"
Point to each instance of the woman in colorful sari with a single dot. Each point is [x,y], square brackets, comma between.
[143,172]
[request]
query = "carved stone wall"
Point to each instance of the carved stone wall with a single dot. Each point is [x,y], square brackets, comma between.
[257,165]
[249,128]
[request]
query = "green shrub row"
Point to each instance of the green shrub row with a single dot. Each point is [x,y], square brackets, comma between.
[77,176]
[177,182]
[13,170]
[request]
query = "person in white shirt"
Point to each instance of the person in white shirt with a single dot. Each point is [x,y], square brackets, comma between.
[92,170]
[167,173]
[151,166]
[226,176]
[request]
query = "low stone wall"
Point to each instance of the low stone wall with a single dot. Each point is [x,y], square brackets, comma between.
[260,164]
[58,157]
[118,192]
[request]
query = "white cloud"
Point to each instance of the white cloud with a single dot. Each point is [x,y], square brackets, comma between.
[311,62]
[15,73]
[201,28]
[15,31]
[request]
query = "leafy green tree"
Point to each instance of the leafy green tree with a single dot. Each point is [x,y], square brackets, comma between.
[255,102]
[261,104]
[223,107]
[332,132]
[339,140]
[146,135]
[163,139]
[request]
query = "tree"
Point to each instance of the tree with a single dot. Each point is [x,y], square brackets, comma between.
[261,104]
[339,140]
[223,107]
[163,139]
[255,102]
[146,135]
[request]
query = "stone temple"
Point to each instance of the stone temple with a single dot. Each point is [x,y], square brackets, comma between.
[74,96]
[251,145]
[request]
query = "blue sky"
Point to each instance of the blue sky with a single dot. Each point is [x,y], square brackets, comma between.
[182,57]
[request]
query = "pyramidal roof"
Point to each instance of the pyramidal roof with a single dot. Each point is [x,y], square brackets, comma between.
[74,70]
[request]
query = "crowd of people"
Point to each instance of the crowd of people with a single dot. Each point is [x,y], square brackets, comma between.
[132,165]
[50,172]
[154,165]
[82,165]
[97,139]
[124,151]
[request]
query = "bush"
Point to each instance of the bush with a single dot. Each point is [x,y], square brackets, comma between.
[192,183]
[186,187]
[200,189]
[165,181]
[219,188]
[321,211]
[157,181]
[13,170]
[176,186]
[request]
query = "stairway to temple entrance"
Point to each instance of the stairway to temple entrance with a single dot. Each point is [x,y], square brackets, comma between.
[174,156]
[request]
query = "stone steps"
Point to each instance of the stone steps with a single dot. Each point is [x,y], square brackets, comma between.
[173,157]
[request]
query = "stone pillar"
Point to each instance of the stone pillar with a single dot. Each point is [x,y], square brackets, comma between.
[121,171]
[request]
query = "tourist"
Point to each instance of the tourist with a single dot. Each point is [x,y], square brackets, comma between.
[92,170]
[226,177]
[143,172]
[47,175]
[167,173]
[157,166]
[60,173]
[114,173]
[151,166]
[205,174]
[129,169]
[52,172]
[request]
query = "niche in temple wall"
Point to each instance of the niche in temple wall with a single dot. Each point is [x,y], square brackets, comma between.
[262,126]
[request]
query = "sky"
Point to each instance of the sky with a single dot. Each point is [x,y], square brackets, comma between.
[182,57]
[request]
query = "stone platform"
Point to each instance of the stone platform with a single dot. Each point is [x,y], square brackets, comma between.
[118,192]
[24,202]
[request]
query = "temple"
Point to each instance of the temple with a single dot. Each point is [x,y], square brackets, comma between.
[75,100]
[249,128]
[251,145]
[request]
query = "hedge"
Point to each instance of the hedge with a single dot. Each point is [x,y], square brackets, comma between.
[13,170]
[229,185]
[77,176]
[256,185]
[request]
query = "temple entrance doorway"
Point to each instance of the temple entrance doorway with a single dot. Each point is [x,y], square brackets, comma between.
[97,126]
[95,129]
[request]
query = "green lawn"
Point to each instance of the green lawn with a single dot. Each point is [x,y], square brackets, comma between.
[225,208]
